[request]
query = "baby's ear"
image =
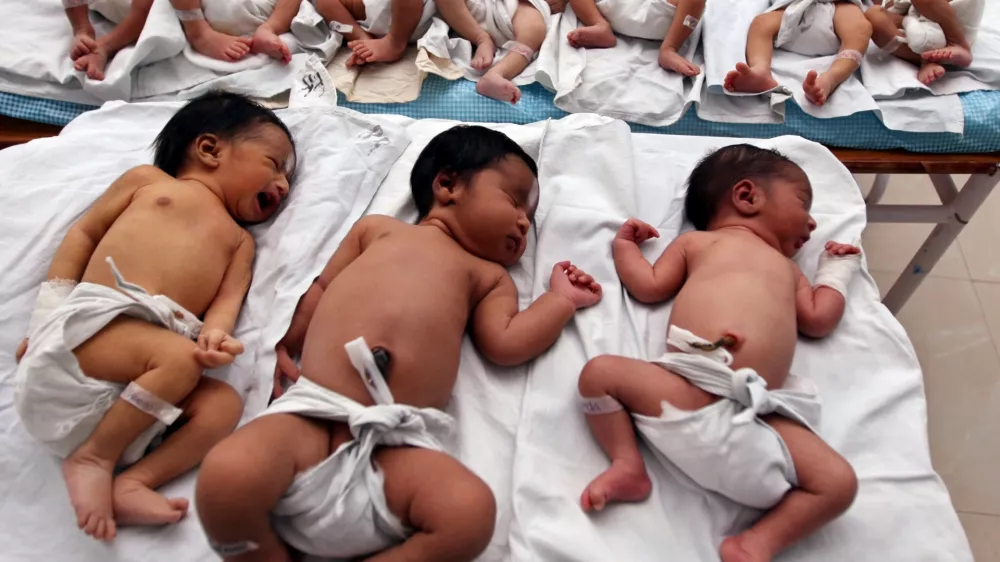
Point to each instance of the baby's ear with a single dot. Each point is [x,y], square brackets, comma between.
[207,148]
[748,197]
[445,188]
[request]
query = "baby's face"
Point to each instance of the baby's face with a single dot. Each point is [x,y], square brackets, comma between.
[789,203]
[256,173]
[498,211]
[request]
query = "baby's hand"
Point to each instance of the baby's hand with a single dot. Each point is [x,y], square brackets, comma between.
[634,230]
[574,284]
[285,367]
[838,249]
[216,348]
[22,348]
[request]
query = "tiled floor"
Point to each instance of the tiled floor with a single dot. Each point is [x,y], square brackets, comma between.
[954,323]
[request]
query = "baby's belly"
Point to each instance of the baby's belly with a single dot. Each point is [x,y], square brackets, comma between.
[423,356]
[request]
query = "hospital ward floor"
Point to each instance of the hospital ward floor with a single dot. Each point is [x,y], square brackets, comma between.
[953,321]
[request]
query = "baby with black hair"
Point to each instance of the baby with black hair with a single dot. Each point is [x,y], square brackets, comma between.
[108,364]
[351,460]
[721,405]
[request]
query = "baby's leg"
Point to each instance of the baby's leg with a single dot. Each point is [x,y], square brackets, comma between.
[596,33]
[529,31]
[452,511]
[211,413]
[206,40]
[405,19]
[125,33]
[854,32]
[244,476]
[84,38]
[755,76]
[670,59]
[458,17]
[640,387]
[958,52]
[126,350]
[887,26]
[827,486]
[266,38]
[348,12]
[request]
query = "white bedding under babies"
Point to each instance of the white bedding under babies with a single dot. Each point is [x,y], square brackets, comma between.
[520,429]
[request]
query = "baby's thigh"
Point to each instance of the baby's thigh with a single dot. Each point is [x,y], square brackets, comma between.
[432,491]
[817,466]
[529,25]
[640,386]
[128,347]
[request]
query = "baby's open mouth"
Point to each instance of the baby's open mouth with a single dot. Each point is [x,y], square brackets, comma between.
[265,200]
[513,243]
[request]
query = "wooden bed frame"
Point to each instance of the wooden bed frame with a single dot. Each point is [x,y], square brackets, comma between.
[956,209]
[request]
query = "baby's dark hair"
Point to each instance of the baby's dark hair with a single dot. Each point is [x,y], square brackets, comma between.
[224,114]
[713,178]
[464,150]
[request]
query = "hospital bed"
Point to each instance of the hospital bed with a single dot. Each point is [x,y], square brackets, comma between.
[521,428]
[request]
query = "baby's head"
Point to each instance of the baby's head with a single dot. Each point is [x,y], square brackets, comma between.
[482,187]
[233,145]
[743,185]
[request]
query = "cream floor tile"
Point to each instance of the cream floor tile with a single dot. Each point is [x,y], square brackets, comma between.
[979,240]
[890,247]
[983,532]
[962,379]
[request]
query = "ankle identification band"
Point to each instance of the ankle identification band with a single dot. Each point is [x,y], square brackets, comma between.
[600,405]
[150,403]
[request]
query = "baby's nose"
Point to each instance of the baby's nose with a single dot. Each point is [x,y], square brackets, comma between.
[524,225]
[812,224]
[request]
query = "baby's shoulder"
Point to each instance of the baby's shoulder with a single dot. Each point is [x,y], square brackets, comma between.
[146,174]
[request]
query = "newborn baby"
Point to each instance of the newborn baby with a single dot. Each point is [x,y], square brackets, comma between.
[352,459]
[720,404]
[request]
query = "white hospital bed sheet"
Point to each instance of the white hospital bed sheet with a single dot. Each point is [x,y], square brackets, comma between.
[869,378]
[46,185]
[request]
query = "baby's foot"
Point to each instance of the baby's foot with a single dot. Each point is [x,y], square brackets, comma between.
[136,504]
[83,43]
[952,54]
[670,59]
[930,72]
[748,80]
[216,45]
[88,481]
[267,42]
[382,49]
[741,549]
[623,482]
[93,63]
[360,36]
[817,87]
[493,85]
[597,36]
[483,59]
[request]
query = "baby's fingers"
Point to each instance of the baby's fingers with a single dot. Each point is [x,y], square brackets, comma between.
[213,359]
[215,338]
[231,345]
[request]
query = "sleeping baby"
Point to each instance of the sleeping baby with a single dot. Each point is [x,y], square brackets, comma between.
[932,34]
[814,28]
[140,299]
[668,21]
[351,460]
[720,404]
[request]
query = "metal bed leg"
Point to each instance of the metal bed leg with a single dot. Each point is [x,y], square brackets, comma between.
[962,208]
[878,189]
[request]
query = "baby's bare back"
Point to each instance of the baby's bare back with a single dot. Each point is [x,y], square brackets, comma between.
[740,285]
[175,238]
[410,292]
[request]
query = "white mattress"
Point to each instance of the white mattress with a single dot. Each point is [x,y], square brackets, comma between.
[521,429]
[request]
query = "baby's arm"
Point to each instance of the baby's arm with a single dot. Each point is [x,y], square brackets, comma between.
[649,283]
[508,337]
[216,345]
[77,247]
[819,307]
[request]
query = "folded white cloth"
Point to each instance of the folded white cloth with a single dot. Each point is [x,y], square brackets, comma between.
[807,26]
[725,447]
[923,34]
[58,403]
[338,508]
[644,19]
[378,16]
[497,16]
